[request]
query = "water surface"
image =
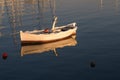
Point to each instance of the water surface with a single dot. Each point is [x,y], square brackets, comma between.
[97,39]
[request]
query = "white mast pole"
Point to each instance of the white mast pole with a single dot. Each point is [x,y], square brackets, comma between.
[54,22]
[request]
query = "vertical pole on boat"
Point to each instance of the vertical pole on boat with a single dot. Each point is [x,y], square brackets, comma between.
[54,22]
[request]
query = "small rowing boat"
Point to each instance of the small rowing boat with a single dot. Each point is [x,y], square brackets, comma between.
[48,35]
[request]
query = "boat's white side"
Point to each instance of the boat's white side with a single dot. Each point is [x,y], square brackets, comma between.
[30,36]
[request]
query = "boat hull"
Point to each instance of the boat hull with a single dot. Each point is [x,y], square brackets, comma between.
[29,37]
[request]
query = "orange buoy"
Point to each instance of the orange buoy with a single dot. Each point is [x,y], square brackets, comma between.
[4,55]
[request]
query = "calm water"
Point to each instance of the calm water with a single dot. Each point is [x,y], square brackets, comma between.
[98,40]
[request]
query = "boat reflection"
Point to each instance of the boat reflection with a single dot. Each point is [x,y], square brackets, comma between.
[40,48]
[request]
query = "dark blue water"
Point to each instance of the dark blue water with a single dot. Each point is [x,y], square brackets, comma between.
[98,40]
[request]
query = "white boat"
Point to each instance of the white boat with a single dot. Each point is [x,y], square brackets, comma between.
[48,35]
[40,48]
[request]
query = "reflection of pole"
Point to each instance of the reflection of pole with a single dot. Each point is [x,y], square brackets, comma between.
[101,4]
[14,20]
[2,10]
[39,14]
[20,4]
[56,54]
[14,16]
[116,4]
[54,7]
[42,12]
[33,11]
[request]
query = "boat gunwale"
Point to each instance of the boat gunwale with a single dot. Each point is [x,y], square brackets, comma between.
[57,30]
